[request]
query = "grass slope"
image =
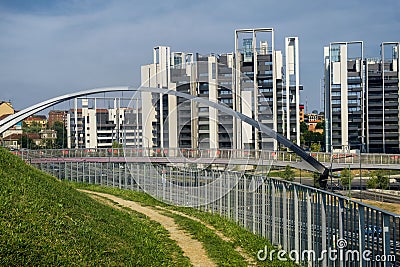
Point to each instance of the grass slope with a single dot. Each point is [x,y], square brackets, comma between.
[241,237]
[44,222]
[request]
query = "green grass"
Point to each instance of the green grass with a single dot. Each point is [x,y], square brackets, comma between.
[44,222]
[250,242]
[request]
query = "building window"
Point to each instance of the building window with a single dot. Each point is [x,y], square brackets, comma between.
[213,71]
[335,53]
[265,90]
[226,100]
[335,93]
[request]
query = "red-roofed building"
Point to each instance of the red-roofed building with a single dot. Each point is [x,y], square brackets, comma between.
[40,119]
[15,140]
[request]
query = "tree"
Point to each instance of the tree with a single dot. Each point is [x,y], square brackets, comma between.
[27,142]
[34,127]
[61,140]
[115,144]
[378,181]
[346,177]
[313,137]
[303,127]
[315,147]
[371,183]
[320,125]
[316,177]
[288,173]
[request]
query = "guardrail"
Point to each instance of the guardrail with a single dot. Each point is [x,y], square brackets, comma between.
[313,226]
[285,156]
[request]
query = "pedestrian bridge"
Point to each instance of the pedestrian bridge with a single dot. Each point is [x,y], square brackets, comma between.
[220,157]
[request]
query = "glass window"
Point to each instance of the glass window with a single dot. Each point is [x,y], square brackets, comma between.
[335,53]
[213,71]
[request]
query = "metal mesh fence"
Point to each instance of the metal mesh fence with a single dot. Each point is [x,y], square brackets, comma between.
[314,226]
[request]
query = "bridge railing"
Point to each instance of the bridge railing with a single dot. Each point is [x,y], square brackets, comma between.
[284,156]
[314,226]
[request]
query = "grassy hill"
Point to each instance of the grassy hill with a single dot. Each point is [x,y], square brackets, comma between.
[45,222]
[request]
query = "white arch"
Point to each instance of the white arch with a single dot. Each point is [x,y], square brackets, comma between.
[25,113]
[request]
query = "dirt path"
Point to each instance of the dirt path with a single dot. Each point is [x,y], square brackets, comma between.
[191,248]
[250,261]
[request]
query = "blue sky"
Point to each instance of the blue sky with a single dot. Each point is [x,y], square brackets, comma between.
[49,48]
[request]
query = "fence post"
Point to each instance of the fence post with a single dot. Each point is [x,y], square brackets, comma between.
[297,222]
[253,204]
[263,207]
[341,222]
[361,234]
[323,228]
[309,224]
[285,217]
[245,202]
[273,210]
[386,238]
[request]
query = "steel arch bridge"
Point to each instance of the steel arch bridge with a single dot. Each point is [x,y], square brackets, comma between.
[23,114]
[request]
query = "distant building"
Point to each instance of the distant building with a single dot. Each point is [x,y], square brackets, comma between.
[15,140]
[382,103]
[344,88]
[16,129]
[250,80]
[312,119]
[57,115]
[48,137]
[6,108]
[38,119]
[91,127]
[301,113]
[362,98]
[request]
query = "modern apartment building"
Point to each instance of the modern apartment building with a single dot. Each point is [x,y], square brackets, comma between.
[250,80]
[362,98]
[170,121]
[382,101]
[344,95]
[263,91]
[93,127]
